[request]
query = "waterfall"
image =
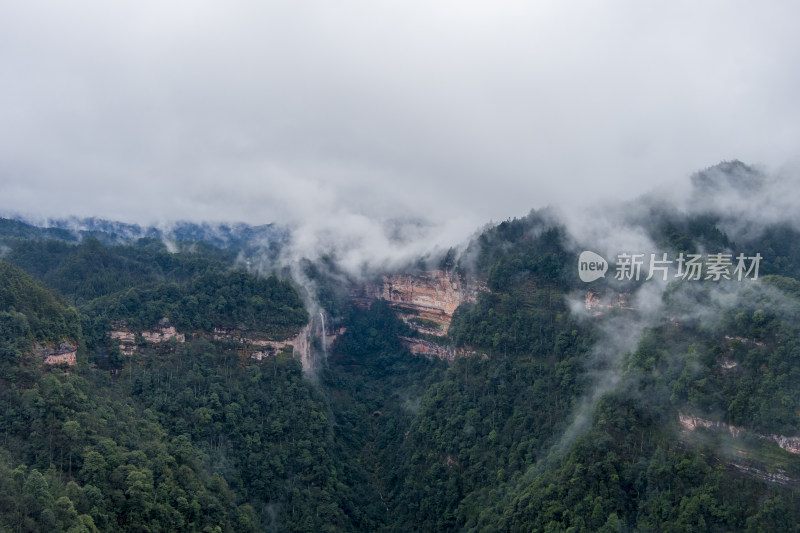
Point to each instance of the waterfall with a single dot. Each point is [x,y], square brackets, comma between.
[324,340]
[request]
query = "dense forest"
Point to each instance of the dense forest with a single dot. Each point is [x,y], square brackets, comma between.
[556,419]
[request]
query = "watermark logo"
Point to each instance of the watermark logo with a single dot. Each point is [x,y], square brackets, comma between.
[691,267]
[591,266]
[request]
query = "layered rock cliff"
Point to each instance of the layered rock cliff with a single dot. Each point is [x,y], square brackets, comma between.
[63,354]
[425,300]
[158,335]
[690,423]
[746,458]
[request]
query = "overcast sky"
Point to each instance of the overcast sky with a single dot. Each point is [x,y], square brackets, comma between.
[334,114]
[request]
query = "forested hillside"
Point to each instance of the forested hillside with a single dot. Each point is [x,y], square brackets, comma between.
[623,405]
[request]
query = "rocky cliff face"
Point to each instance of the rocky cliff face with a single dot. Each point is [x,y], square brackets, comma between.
[600,302]
[431,349]
[690,423]
[163,334]
[254,344]
[302,347]
[426,300]
[301,344]
[744,459]
[63,354]
[127,339]
[427,348]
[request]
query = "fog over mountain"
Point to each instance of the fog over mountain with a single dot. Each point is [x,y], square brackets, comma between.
[315,266]
[341,119]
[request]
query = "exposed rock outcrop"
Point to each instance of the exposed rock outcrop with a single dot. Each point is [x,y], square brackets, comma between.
[790,444]
[426,300]
[163,332]
[744,340]
[427,348]
[251,338]
[127,341]
[63,354]
[779,477]
[692,422]
[302,347]
[598,303]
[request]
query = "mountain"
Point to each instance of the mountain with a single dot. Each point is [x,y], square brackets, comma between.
[233,236]
[144,388]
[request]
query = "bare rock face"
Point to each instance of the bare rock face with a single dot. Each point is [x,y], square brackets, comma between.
[63,354]
[259,346]
[163,334]
[127,339]
[302,347]
[426,300]
[427,348]
[778,477]
[598,303]
[790,444]
[437,292]
[690,423]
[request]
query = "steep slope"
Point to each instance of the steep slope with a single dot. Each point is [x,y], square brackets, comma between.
[425,299]
[573,422]
[615,405]
[29,313]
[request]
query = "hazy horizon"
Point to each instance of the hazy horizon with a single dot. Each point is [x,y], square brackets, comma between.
[338,120]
